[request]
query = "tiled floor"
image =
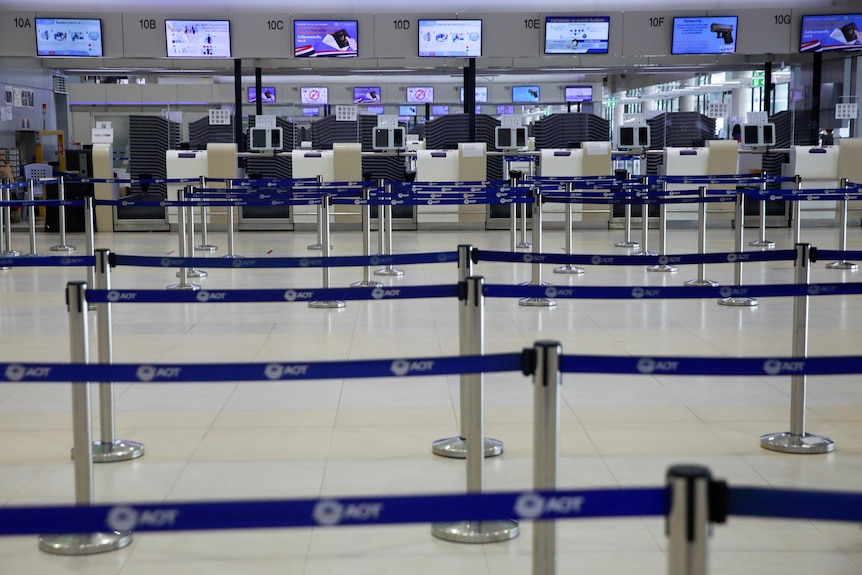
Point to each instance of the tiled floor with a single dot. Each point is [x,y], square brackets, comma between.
[305,439]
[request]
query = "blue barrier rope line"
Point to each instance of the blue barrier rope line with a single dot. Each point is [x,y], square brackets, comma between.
[269,262]
[670,292]
[48,261]
[604,259]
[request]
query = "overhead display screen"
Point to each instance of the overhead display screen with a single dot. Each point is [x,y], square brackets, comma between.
[525,94]
[579,93]
[439,110]
[68,37]
[577,34]
[311,111]
[420,94]
[198,38]
[450,38]
[314,96]
[826,33]
[366,95]
[481,94]
[268,95]
[325,38]
[708,35]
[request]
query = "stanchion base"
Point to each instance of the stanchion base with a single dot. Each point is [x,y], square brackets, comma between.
[762,244]
[317,247]
[195,273]
[118,451]
[646,253]
[232,257]
[10,254]
[4,268]
[476,531]
[364,283]
[700,283]
[191,287]
[842,265]
[786,442]
[738,301]
[523,245]
[455,447]
[661,268]
[390,272]
[84,543]
[206,248]
[630,245]
[569,269]
[63,248]
[333,304]
[537,302]
[36,255]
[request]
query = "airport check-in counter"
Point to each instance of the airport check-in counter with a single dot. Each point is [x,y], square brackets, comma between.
[818,167]
[132,218]
[720,157]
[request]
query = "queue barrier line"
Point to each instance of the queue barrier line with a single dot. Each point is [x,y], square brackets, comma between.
[838,254]
[268,262]
[671,292]
[795,504]
[610,259]
[48,261]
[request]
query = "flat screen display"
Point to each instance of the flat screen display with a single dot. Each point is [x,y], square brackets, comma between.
[314,95]
[198,38]
[311,111]
[450,38]
[481,94]
[525,94]
[268,95]
[420,94]
[577,34]
[375,110]
[366,95]
[707,35]
[504,110]
[325,38]
[406,110]
[439,110]
[68,37]
[579,93]
[827,33]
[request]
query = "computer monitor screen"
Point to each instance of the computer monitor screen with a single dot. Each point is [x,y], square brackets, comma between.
[325,38]
[503,110]
[373,110]
[366,95]
[439,110]
[311,111]
[525,94]
[78,37]
[406,110]
[481,94]
[268,95]
[420,94]
[576,34]
[318,95]
[450,38]
[579,93]
[198,38]
[707,35]
[833,32]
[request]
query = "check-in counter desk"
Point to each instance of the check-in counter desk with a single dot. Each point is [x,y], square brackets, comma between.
[818,167]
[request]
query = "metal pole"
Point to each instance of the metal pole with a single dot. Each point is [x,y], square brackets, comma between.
[6,216]
[701,241]
[319,244]
[386,237]
[4,247]
[85,543]
[187,195]
[762,242]
[90,241]
[31,217]
[456,447]
[627,239]
[108,449]
[524,243]
[537,267]
[570,243]
[645,222]
[230,224]
[731,300]
[205,245]
[842,234]
[662,235]
[797,209]
[547,381]
[183,245]
[797,440]
[687,522]
[513,216]
[474,430]
[324,241]
[366,239]
[61,214]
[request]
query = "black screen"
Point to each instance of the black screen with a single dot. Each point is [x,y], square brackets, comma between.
[750,135]
[627,136]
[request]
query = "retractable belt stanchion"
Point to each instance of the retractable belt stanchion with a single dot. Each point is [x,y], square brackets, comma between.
[61,221]
[386,236]
[523,244]
[183,251]
[31,218]
[81,543]
[570,244]
[762,242]
[687,524]
[701,242]
[455,447]
[662,235]
[537,267]
[797,209]
[644,246]
[319,244]
[627,238]
[739,222]
[842,234]
[230,223]
[186,195]
[90,241]
[205,245]
[547,380]
[325,202]
[365,212]
[797,440]
[514,177]
[6,250]
[108,449]
[473,427]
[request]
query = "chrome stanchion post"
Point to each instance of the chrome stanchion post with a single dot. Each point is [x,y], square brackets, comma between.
[325,202]
[61,213]
[108,449]
[183,251]
[537,267]
[473,428]
[842,234]
[523,244]
[230,222]
[188,196]
[366,240]
[662,234]
[687,523]
[738,301]
[6,250]
[4,247]
[797,209]
[627,238]
[797,440]
[570,244]
[90,241]
[319,244]
[701,241]
[31,217]
[81,543]
[468,340]
[205,245]
[547,381]
[386,238]
[762,242]
[645,221]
